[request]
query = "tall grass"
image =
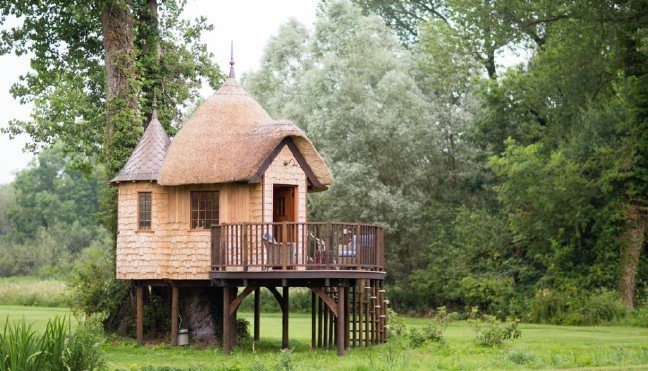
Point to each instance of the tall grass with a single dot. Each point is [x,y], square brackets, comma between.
[57,348]
[32,291]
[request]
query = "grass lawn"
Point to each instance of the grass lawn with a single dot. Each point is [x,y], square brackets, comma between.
[540,346]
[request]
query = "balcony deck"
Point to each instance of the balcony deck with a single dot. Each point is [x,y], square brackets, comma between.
[297,251]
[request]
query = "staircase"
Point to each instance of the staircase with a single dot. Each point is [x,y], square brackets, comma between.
[365,311]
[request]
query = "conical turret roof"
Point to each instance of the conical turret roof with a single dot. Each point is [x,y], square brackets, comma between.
[146,160]
[230,138]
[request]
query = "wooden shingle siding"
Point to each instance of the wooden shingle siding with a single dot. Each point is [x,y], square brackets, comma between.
[171,249]
[289,174]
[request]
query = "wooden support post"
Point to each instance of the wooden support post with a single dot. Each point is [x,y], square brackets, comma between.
[313,323]
[353,302]
[284,319]
[320,315]
[367,303]
[330,329]
[340,321]
[345,303]
[360,316]
[140,313]
[227,320]
[174,315]
[257,313]
[374,314]
[326,326]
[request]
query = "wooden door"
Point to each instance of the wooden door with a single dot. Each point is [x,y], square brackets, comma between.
[284,208]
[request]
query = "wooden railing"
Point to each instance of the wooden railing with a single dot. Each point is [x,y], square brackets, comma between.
[297,246]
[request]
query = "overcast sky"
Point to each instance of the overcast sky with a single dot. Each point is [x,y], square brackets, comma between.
[249,23]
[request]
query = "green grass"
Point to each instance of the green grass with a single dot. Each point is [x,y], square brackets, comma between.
[541,346]
[32,291]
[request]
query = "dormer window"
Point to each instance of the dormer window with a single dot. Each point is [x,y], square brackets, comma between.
[204,209]
[144,211]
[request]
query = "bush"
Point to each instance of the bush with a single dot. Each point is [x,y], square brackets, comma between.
[638,317]
[567,306]
[520,357]
[490,331]
[58,348]
[396,323]
[433,330]
[242,329]
[492,294]
[94,289]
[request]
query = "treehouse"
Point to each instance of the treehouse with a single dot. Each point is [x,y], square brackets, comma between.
[222,206]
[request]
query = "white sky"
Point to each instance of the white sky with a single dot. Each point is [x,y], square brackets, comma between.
[249,23]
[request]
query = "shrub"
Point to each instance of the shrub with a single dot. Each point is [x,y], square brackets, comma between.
[490,331]
[492,294]
[242,328]
[603,306]
[438,324]
[568,306]
[520,357]
[638,317]
[433,330]
[58,348]
[416,337]
[396,323]
[286,361]
[94,289]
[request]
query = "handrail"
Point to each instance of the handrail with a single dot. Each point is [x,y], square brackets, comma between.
[297,246]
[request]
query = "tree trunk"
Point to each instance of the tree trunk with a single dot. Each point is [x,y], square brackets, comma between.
[149,57]
[632,242]
[201,311]
[121,83]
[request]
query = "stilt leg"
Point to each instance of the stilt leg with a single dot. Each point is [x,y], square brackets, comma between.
[313,324]
[174,316]
[257,315]
[284,319]
[227,322]
[326,325]
[140,314]
[345,303]
[320,315]
[340,321]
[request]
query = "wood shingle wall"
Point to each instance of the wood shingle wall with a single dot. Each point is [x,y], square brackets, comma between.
[171,249]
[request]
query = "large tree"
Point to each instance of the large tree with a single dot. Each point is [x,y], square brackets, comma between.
[393,141]
[96,67]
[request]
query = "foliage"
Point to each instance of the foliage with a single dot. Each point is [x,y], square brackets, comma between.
[285,361]
[567,306]
[57,348]
[242,328]
[67,82]
[396,323]
[490,331]
[93,289]
[433,330]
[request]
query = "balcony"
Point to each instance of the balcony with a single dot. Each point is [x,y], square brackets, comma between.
[297,247]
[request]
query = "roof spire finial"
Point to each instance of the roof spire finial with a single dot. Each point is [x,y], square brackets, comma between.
[231,74]
[154,115]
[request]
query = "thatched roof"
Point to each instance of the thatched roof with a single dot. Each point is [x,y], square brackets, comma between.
[146,160]
[231,138]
